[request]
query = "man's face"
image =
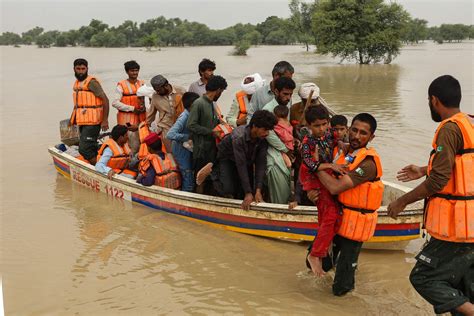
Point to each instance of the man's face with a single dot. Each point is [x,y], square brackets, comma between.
[207,74]
[218,94]
[319,127]
[80,72]
[341,131]
[123,139]
[133,74]
[164,89]
[259,132]
[283,97]
[434,115]
[359,135]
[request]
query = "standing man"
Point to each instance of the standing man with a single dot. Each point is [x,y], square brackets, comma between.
[167,101]
[278,173]
[201,122]
[206,71]
[444,272]
[91,110]
[265,94]
[131,108]
[360,193]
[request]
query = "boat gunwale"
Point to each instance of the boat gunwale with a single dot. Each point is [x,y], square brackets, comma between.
[412,210]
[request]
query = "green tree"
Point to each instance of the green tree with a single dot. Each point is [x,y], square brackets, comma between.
[30,36]
[47,39]
[10,38]
[241,48]
[453,32]
[254,37]
[362,30]
[301,18]
[416,30]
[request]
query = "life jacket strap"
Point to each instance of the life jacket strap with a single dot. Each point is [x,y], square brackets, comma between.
[360,210]
[454,197]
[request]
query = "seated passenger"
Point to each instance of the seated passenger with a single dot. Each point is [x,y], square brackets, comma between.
[179,134]
[237,114]
[339,125]
[158,167]
[114,155]
[242,160]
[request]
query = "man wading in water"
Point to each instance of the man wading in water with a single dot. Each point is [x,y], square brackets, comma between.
[444,272]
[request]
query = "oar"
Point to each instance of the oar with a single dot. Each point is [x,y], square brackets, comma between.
[308,102]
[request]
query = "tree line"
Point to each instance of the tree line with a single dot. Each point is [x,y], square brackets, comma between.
[366,31]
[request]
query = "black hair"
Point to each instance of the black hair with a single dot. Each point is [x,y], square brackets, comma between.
[366,118]
[316,112]
[206,64]
[80,61]
[338,120]
[189,98]
[284,83]
[216,83]
[447,89]
[281,111]
[263,119]
[130,65]
[281,67]
[156,146]
[117,131]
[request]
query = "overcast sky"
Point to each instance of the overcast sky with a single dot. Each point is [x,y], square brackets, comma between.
[21,15]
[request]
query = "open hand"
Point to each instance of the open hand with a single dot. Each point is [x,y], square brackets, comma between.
[258,196]
[410,172]
[104,126]
[111,174]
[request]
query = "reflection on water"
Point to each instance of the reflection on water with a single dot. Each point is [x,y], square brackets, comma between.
[68,250]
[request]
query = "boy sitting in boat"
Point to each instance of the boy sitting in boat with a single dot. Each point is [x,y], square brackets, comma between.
[115,155]
[158,167]
[317,153]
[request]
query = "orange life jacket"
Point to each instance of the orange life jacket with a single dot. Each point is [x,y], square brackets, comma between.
[143,131]
[360,204]
[450,212]
[240,97]
[120,158]
[129,97]
[167,174]
[224,129]
[179,106]
[88,109]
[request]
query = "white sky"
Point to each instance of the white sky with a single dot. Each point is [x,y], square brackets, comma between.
[22,15]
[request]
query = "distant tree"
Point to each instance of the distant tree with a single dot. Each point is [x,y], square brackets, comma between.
[276,31]
[47,39]
[254,37]
[367,31]
[300,19]
[416,30]
[30,36]
[453,32]
[240,48]
[10,38]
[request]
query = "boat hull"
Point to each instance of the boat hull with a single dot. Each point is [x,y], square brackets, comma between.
[264,219]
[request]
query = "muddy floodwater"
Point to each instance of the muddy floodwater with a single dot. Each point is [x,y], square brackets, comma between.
[66,250]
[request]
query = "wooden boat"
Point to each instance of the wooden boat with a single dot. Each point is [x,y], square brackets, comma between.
[264,219]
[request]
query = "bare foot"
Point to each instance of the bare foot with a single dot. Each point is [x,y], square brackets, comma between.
[203,173]
[316,265]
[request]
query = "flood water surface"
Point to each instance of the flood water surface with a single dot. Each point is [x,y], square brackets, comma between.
[67,250]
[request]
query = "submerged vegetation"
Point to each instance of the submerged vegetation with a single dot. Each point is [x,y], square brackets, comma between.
[365,31]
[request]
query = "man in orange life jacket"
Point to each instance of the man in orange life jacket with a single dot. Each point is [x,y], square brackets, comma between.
[115,155]
[91,110]
[131,109]
[360,195]
[444,272]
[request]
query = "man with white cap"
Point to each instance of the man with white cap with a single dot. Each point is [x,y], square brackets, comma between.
[238,111]
[297,109]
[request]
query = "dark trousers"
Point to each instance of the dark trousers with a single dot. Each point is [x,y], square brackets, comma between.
[444,274]
[226,179]
[344,256]
[88,146]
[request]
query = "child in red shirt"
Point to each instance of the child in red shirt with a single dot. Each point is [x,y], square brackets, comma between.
[317,154]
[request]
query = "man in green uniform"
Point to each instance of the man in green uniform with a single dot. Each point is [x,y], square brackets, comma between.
[444,272]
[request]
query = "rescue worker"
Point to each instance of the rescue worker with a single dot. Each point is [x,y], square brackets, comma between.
[360,193]
[237,114]
[444,272]
[131,108]
[158,167]
[91,110]
[115,155]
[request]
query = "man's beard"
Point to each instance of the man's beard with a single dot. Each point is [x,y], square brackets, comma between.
[80,77]
[435,116]
[280,102]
